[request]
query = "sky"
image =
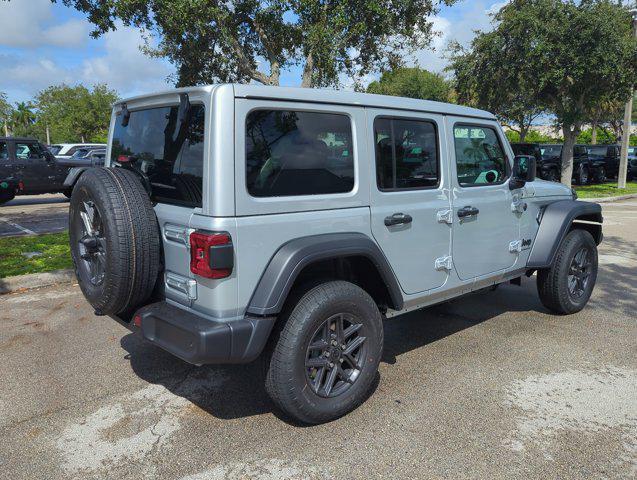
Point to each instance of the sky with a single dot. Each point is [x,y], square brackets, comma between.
[43,44]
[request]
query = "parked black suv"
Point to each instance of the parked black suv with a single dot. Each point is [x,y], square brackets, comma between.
[546,170]
[29,163]
[585,170]
[608,155]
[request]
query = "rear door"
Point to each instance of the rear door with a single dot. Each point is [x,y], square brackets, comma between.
[410,205]
[171,161]
[484,223]
[39,173]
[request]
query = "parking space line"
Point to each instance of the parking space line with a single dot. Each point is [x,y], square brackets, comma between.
[19,227]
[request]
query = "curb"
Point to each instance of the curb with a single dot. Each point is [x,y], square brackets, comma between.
[36,280]
[609,199]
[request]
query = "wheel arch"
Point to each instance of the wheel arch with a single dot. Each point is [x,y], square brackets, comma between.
[556,221]
[343,254]
[73,176]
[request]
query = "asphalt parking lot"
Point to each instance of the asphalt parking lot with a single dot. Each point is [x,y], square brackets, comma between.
[31,214]
[488,386]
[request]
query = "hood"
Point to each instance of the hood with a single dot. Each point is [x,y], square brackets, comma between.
[550,189]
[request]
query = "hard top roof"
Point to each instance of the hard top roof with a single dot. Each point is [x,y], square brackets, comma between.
[339,97]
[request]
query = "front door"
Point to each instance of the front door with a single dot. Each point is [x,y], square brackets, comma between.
[410,196]
[484,223]
[40,173]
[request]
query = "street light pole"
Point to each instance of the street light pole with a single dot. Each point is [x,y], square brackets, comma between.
[623,159]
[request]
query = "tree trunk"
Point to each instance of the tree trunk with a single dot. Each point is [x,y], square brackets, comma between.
[567,155]
[594,133]
[6,129]
[523,133]
[83,141]
[48,136]
[623,157]
[308,70]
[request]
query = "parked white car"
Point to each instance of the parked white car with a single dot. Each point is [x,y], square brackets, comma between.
[66,150]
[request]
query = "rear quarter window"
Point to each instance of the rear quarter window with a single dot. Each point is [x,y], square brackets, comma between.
[169,158]
[298,153]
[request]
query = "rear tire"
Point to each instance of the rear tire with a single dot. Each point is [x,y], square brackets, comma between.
[566,286]
[115,242]
[314,381]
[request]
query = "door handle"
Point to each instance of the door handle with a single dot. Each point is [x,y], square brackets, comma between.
[468,211]
[397,219]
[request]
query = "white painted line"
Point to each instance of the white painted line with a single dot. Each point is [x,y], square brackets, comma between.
[19,227]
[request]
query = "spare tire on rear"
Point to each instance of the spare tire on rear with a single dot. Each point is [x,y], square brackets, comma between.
[115,241]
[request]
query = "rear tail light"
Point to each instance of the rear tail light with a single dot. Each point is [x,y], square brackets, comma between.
[211,254]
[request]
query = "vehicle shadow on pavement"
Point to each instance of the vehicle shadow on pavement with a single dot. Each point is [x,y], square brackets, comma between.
[237,391]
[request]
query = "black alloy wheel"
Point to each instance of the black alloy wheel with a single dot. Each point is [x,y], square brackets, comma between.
[579,272]
[335,355]
[92,243]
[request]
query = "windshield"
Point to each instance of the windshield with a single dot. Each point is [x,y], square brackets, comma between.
[55,149]
[521,149]
[549,151]
[169,158]
[632,151]
[80,153]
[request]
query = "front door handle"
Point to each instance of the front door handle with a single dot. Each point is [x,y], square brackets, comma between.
[397,219]
[468,211]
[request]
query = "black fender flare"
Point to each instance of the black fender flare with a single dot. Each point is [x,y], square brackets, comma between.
[286,264]
[556,220]
[73,175]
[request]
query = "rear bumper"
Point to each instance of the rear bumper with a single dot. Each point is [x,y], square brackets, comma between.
[199,340]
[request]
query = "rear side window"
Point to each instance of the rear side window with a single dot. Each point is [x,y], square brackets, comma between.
[406,154]
[4,151]
[28,150]
[169,158]
[480,159]
[298,153]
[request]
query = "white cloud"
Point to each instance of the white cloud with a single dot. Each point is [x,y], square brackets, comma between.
[122,66]
[471,17]
[26,23]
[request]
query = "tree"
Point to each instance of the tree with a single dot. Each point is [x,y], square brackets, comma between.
[5,113]
[211,40]
[413,83]
[22,119]
[567,55]
[75,113]
[505,93]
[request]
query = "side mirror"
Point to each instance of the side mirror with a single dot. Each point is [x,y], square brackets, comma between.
[524,167]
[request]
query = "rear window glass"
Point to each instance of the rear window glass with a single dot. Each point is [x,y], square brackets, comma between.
[597,151]
[170,159]
[298,153]
[4,152]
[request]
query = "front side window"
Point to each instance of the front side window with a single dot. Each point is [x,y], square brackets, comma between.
[480,159]
[28,151]
[406,154]
[169,158]
[298,153]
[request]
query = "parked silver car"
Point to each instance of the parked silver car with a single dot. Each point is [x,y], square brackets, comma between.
[239,221]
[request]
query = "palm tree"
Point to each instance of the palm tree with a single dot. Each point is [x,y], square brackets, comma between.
[22,117]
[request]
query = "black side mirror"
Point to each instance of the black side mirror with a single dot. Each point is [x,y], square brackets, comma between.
[524,167]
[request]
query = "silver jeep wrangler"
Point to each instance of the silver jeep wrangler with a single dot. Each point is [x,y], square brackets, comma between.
[238,221]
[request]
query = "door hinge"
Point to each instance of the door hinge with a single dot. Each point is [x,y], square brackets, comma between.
[444,263]
[518,206]
[445,216]
[515,246]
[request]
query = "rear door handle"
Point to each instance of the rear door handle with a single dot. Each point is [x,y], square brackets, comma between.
[468,211]
[397,219]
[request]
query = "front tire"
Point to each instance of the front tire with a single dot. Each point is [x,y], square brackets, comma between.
[326,357]
[567,285]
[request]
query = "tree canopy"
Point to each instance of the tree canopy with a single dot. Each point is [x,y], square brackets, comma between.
[211,41]
[75,113]
[413,83]
[564,55]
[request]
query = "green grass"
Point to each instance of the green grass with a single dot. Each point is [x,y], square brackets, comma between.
[54,248]
[605,190]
